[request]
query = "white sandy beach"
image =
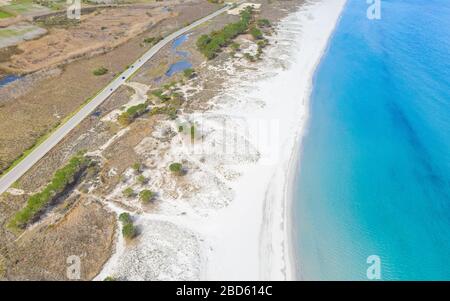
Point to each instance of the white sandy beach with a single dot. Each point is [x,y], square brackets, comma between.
[234,222]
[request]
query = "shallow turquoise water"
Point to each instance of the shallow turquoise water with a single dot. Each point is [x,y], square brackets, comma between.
[375,167]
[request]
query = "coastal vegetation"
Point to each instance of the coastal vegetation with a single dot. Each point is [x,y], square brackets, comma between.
[169,110]
[4,14]
[153,40]
[132,113]
[146,196]
[141,179]
[210,45]
[137,167]
[235,46]
[176,168]
[263,23]
[62,179]
[125,218]
[128,192]
[262,43]
[128,229]
[256,33]
[160,94]
[192,133]
[188,73]
[100,71]
[172,102]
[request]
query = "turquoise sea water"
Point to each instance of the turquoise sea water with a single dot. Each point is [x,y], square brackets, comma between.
[374,176]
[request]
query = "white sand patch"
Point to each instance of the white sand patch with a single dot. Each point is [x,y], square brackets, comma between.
[228,218]
[163,251]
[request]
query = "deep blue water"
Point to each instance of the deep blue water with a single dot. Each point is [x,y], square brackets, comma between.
[178,67]
[8,79]
[179,41]
[184,63]
[374,177]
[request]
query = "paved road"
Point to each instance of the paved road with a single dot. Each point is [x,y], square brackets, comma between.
[20,169]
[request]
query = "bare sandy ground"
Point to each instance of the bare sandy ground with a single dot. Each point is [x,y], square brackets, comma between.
[229,217]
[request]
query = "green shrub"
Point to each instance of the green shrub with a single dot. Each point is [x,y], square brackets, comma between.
[192,133]
[235,46]
[141,179]
[132,113]
[263,23]
[160,94]
[137,110]
[110,278]
[137,166]
[188,73]
[129,230]
[176,168]
[125,218]
[249,57]
[61,180]
[153,40]
[168,110]
[128,192]
[256,33]
[124,119]
[100,71]
[146,196]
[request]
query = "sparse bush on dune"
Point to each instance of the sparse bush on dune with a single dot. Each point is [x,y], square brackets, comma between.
[137,167]
[128,192]
[141,179]
[161,95]
[263,23]
[168,110]
[146,196]
[176,168]
[125,217]
[256,33]
[188,73]
[128,229]
[235,46]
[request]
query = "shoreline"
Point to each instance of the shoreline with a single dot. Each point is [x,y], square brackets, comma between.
[294,165]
